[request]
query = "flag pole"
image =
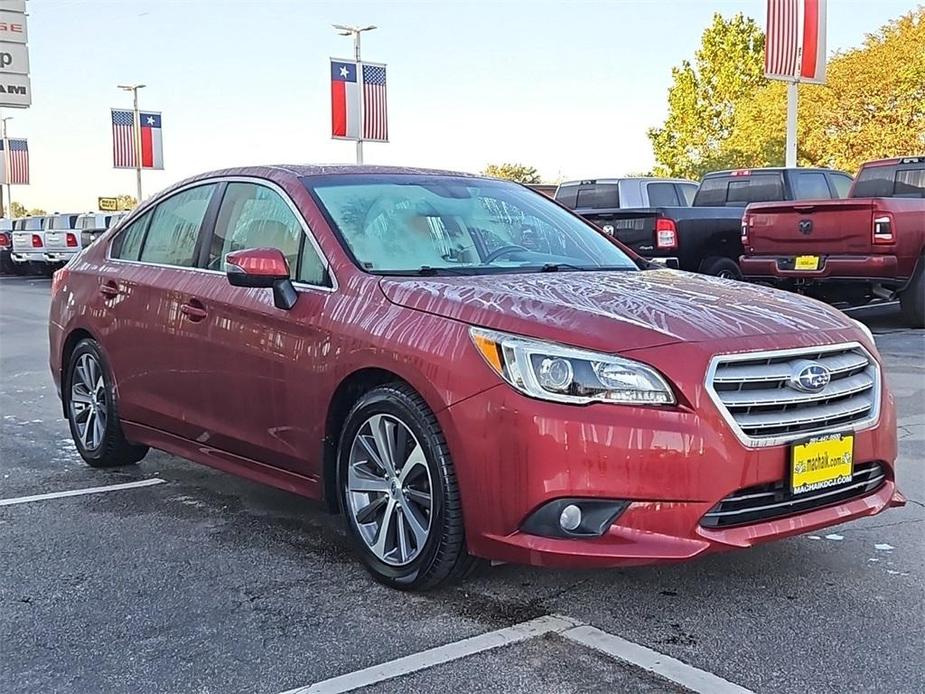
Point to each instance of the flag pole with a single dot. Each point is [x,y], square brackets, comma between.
[355,32]
[136,132]
[790,159]
[6,169]
[356,55]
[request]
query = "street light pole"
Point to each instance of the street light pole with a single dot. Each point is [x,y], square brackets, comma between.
[355,33]
[136,130]
[6,168]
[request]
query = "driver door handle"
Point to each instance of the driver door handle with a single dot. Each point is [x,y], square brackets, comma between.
[194,310]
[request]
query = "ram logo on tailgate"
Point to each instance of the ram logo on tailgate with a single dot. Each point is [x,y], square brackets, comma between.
[806,226]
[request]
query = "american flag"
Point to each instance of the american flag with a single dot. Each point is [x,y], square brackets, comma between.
[375,111]
[795,40]
[123,139]
[15,162]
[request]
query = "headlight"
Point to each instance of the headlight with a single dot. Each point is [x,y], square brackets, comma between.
[564,374]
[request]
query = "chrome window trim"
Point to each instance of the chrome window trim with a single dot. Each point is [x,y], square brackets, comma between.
[306,229]
[749,442]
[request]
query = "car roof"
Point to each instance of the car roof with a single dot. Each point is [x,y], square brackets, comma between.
[308,170]
[656,179]
[772,169]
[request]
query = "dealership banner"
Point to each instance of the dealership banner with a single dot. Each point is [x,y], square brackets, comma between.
[358,101]
[795,41]
[127,146]
[15,86]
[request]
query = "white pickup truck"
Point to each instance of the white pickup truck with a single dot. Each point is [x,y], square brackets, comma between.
[28,249]
[62,239]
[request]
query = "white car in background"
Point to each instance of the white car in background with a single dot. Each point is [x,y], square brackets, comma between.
[29,242]
[92,224]
[62,240]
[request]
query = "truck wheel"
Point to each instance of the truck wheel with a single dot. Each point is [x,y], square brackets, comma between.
[722,267]
[912,299]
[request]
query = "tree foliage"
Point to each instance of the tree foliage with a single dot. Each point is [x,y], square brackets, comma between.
[728,66]
[37,212]
[17,209]
[872,106]
[513,172]
[126,202]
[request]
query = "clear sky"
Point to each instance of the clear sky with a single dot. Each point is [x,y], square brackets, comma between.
[568,87]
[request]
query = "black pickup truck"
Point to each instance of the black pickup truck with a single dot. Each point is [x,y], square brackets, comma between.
[706,237]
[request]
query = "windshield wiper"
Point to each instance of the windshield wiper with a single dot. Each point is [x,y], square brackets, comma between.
[428,271]
[555,267]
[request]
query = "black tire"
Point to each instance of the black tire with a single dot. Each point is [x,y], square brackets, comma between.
[721,267]
[443,557]
[112,450]
[912,298]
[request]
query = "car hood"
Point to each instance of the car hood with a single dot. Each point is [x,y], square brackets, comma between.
[617,311]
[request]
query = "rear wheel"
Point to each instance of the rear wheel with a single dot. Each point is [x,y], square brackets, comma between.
[721,267]
[398,491]
[912,298]
[92,410]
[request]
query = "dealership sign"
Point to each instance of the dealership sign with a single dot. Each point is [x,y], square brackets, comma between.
[15,86]
[108,204]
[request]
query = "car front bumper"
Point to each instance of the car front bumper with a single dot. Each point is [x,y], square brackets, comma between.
[513,454]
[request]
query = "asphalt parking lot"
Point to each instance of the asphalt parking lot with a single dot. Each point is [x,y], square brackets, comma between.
[201,582]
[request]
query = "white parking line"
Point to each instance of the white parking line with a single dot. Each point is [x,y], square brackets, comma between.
[686,675]
[669,668]
[437,656]
[79,492]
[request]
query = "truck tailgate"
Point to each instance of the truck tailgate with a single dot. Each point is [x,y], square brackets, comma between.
[57,240]
[824,227]
[22,241]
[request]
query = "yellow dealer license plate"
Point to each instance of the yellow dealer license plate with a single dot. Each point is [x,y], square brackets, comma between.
[821,462]
[806,262]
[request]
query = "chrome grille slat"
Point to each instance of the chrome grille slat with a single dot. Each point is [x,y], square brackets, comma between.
[753,393]
[781,396]
[837,364]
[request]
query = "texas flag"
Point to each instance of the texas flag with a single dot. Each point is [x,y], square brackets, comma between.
[345,100]
[125,145]
[152,146]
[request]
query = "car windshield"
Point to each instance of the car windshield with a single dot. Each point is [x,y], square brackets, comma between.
[446,225]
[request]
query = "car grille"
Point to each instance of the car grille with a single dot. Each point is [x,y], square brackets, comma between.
[767,501]
[752,391]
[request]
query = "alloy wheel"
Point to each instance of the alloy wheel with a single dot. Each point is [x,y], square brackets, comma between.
[89,409]
[389,490]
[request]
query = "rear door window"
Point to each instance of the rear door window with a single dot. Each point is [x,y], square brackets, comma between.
[173,234]
[662,195]
[910,183]
[810,185]
[712,192]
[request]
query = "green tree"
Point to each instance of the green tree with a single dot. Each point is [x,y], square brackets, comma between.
[513,172]
[872,106]
[727,68]
[37,212]
[126,202]
[17,209]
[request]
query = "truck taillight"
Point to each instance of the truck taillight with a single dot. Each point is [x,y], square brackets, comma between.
[883,229]
[747,223]
[666,234]
[36,241]
[5,240]
[72,240]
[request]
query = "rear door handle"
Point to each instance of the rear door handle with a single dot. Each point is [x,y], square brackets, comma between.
[194,310]
[110,289]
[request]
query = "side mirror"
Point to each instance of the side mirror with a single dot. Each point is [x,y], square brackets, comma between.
[264,268]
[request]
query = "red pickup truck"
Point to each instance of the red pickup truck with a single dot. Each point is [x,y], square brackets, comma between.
[869,245]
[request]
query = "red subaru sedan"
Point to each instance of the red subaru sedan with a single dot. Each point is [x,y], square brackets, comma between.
[464,369]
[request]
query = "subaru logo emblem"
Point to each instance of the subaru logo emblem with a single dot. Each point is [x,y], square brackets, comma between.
[809,377]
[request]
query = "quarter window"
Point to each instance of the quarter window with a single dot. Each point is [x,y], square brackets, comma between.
[127,245]
[842,184]
[662,195]
[174,230]
[811,185]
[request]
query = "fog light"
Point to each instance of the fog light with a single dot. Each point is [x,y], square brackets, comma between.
[570,518]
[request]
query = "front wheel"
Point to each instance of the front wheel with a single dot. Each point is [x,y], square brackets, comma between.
[398,491]
[92,410]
